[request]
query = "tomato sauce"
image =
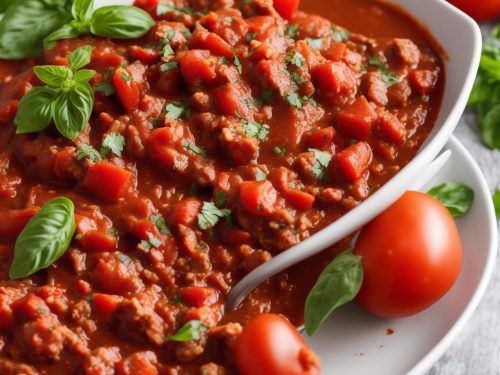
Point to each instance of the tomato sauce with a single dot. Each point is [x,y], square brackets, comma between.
[251,135]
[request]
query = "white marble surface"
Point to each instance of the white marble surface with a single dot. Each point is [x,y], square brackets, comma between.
[477,349]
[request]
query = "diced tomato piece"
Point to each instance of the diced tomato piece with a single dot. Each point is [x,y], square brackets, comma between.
[198,296]
[143,229]
[393,129]
[12,222]
[30,307]
[298,199]
[232,99]
[352,162]
[195,66]
[103,59]
[356,120]
[258,197]
[423,81]
[203,39]
[335,52]
[127,89]
[97,241]
[286,8]
[107,181]
[321,139]
[144,55]
[104,305]
[335,78]
[140,363]
[233,237]
[185,212]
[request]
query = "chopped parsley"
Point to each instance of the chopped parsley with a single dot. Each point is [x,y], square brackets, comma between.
[195,149]
[255,130]
[298,78]
[291,30]
[113,142]
[387,76]
[296,59]
[105,88]
[250,36]
[177,110]
[340,35]
[148,244]
[220,198]
[192,330]
[293,99]
[322,161]
[210,215]
[159,221]
[125,259]
[237,64]
[260,175]
[169,66]
[165,48]
[87,151]
[315,43]
[266,97]
[126,77]
[280,151]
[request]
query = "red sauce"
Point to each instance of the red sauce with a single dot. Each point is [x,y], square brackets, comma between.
[326,131]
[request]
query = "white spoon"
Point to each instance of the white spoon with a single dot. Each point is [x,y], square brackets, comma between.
[333,233]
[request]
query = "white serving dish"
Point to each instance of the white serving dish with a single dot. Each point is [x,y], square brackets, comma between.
[353,342]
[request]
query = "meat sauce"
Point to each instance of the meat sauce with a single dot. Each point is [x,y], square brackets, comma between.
[277,128]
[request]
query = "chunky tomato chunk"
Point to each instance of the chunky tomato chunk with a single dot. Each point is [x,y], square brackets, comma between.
[258,197]
[353,162]
[107,181]
[356,120]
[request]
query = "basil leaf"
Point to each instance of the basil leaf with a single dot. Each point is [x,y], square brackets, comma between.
[120,21]
[80,57]
[489,126]
[496,202]
[84,75]
[44,239]
[35,110]
[456,197]
[5,4]
[25,24]
[72,110]
[68,31]
[338,284]
[82,9]
[192,330]
[52,75]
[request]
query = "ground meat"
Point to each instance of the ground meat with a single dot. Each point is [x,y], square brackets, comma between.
[375,89]
[406,51]
[102,360]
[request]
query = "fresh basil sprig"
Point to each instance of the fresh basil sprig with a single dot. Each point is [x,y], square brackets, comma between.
[5,4]
[44,239]
[27,22]
[192,330]
[114,21]
[456,197]
[338,284]
[67,99]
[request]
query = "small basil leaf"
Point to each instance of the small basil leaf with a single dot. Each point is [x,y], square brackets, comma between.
[44,239]
[338,284]
[456,197]
[80,57]
[120,21]
[35,110]
[68,31]
[25,24]
[84,75]
[72,110]
[82,9]
[490,128]
[53,75]
[192,330]
[496,202]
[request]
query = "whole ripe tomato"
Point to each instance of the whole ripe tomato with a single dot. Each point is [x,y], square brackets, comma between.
[411,256]
[270,345]
[480,10]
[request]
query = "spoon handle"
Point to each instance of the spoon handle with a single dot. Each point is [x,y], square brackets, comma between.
[347,224]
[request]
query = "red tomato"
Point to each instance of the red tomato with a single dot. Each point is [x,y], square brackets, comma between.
[480,10]
[127,89]
[286,8]
[270,345]
[258,197]
[412,256]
